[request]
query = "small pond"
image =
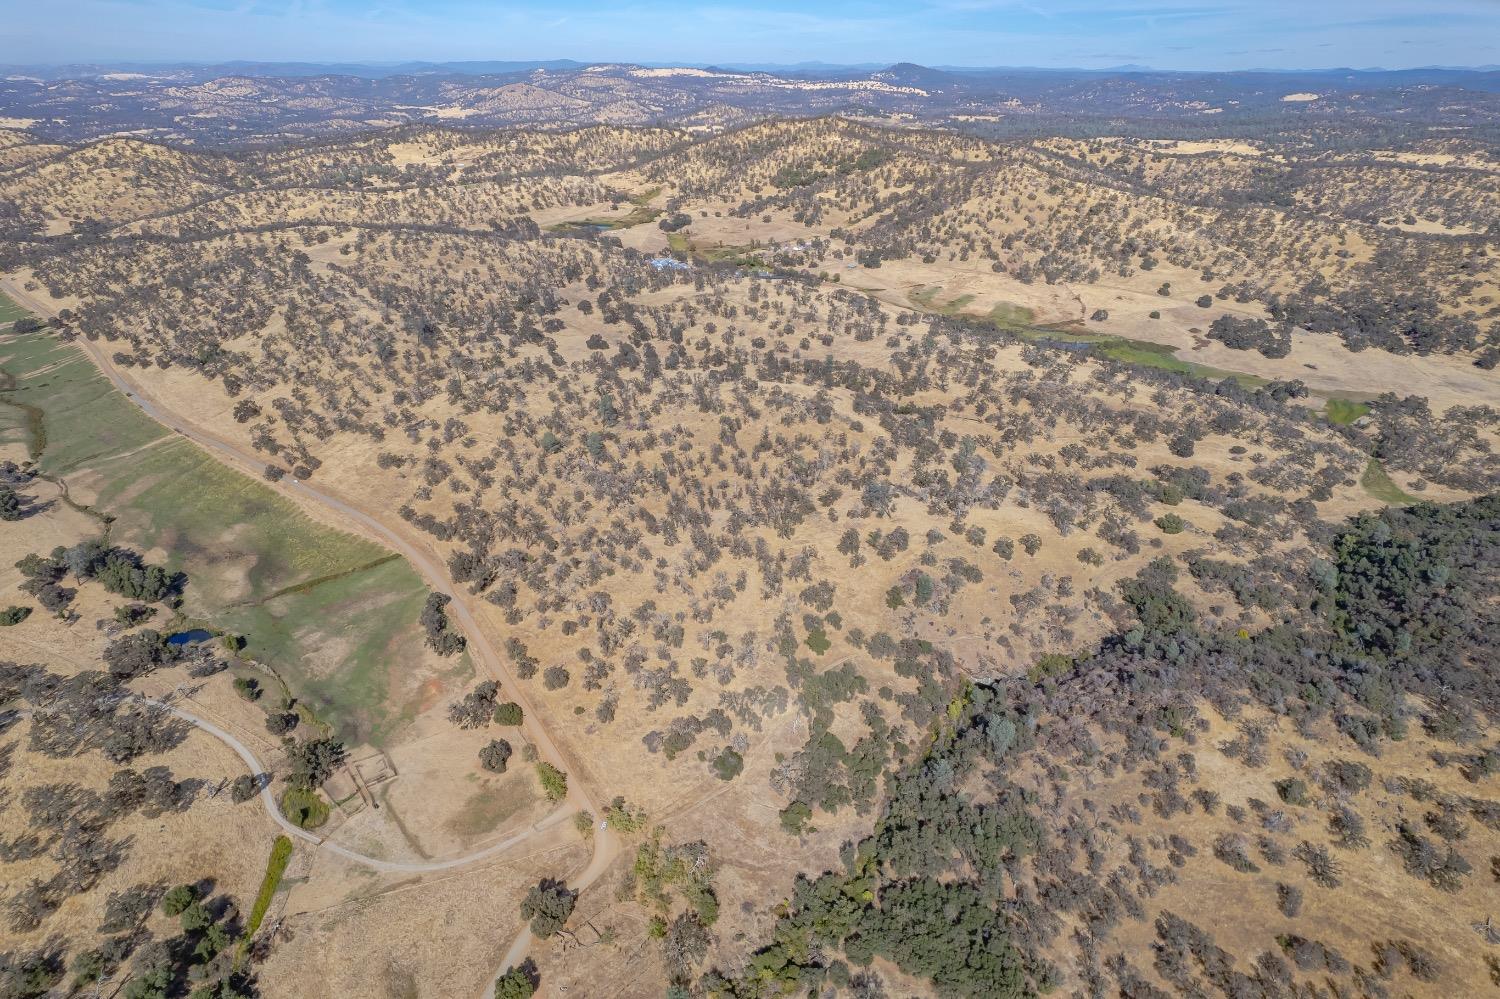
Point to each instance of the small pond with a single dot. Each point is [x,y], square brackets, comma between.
[189,637]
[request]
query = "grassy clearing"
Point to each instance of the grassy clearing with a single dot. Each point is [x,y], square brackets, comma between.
[739,254]
[10,311]
[1378,484]
[305,809]
[1018,320]
[281,855]
[334,615]
[488,808]
[73,415]
[639,215]
[306,597]
[1344,411]
[365,623]
[176,497]
[1008,315]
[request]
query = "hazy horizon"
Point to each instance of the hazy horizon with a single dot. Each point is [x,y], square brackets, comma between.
[1166,35]
[747,64]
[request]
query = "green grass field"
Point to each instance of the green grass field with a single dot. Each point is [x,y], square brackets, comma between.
[10,311]
[1344,411]
[1019,320]
[72,413]
[306,809]
[335,615]
[1379,485]
[281,855]
[639,215]
[1008,315]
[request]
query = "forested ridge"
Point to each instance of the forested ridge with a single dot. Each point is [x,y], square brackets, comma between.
[956,881]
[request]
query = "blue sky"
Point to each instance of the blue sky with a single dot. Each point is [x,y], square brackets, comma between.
[1171,34]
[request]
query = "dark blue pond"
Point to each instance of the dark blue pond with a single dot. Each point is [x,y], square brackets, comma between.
[189,637]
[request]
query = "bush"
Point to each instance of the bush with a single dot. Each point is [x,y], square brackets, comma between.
[508,713]
[794,817]
[1049,664]
[1292,790]
[281,722]
[554,781]
[514,984]
[495,756]
[313,762]
[10,504]
[548,905]
[304,808]
[13,615]
[243,789]
[728,764]
[1170,523]
[441,637]
[281,855]
[176,901]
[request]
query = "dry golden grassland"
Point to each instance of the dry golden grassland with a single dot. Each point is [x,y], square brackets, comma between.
[911,409]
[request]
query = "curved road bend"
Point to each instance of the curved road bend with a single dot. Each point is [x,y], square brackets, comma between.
[606,844]
[297,832]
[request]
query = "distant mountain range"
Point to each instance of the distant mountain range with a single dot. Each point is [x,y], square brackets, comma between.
[380,70]
[255,101]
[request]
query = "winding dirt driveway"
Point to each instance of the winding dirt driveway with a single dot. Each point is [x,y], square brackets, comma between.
[365,860]
[579,799]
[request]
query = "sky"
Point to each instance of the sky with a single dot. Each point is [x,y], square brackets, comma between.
[1165,34]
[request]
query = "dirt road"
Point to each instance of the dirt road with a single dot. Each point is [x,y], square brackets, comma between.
[423,560]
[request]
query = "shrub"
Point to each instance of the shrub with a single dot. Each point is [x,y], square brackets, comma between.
[176,901]
[508,713]
[554,781]
[728,764]
[1170,523]
[1050,664]
[514,984]
[243,789]
[1321,867]
[10,504]
[495,756]
[548,905]
[281,722]
[794,817]
[304,808]
[281,855]
[1292,790]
